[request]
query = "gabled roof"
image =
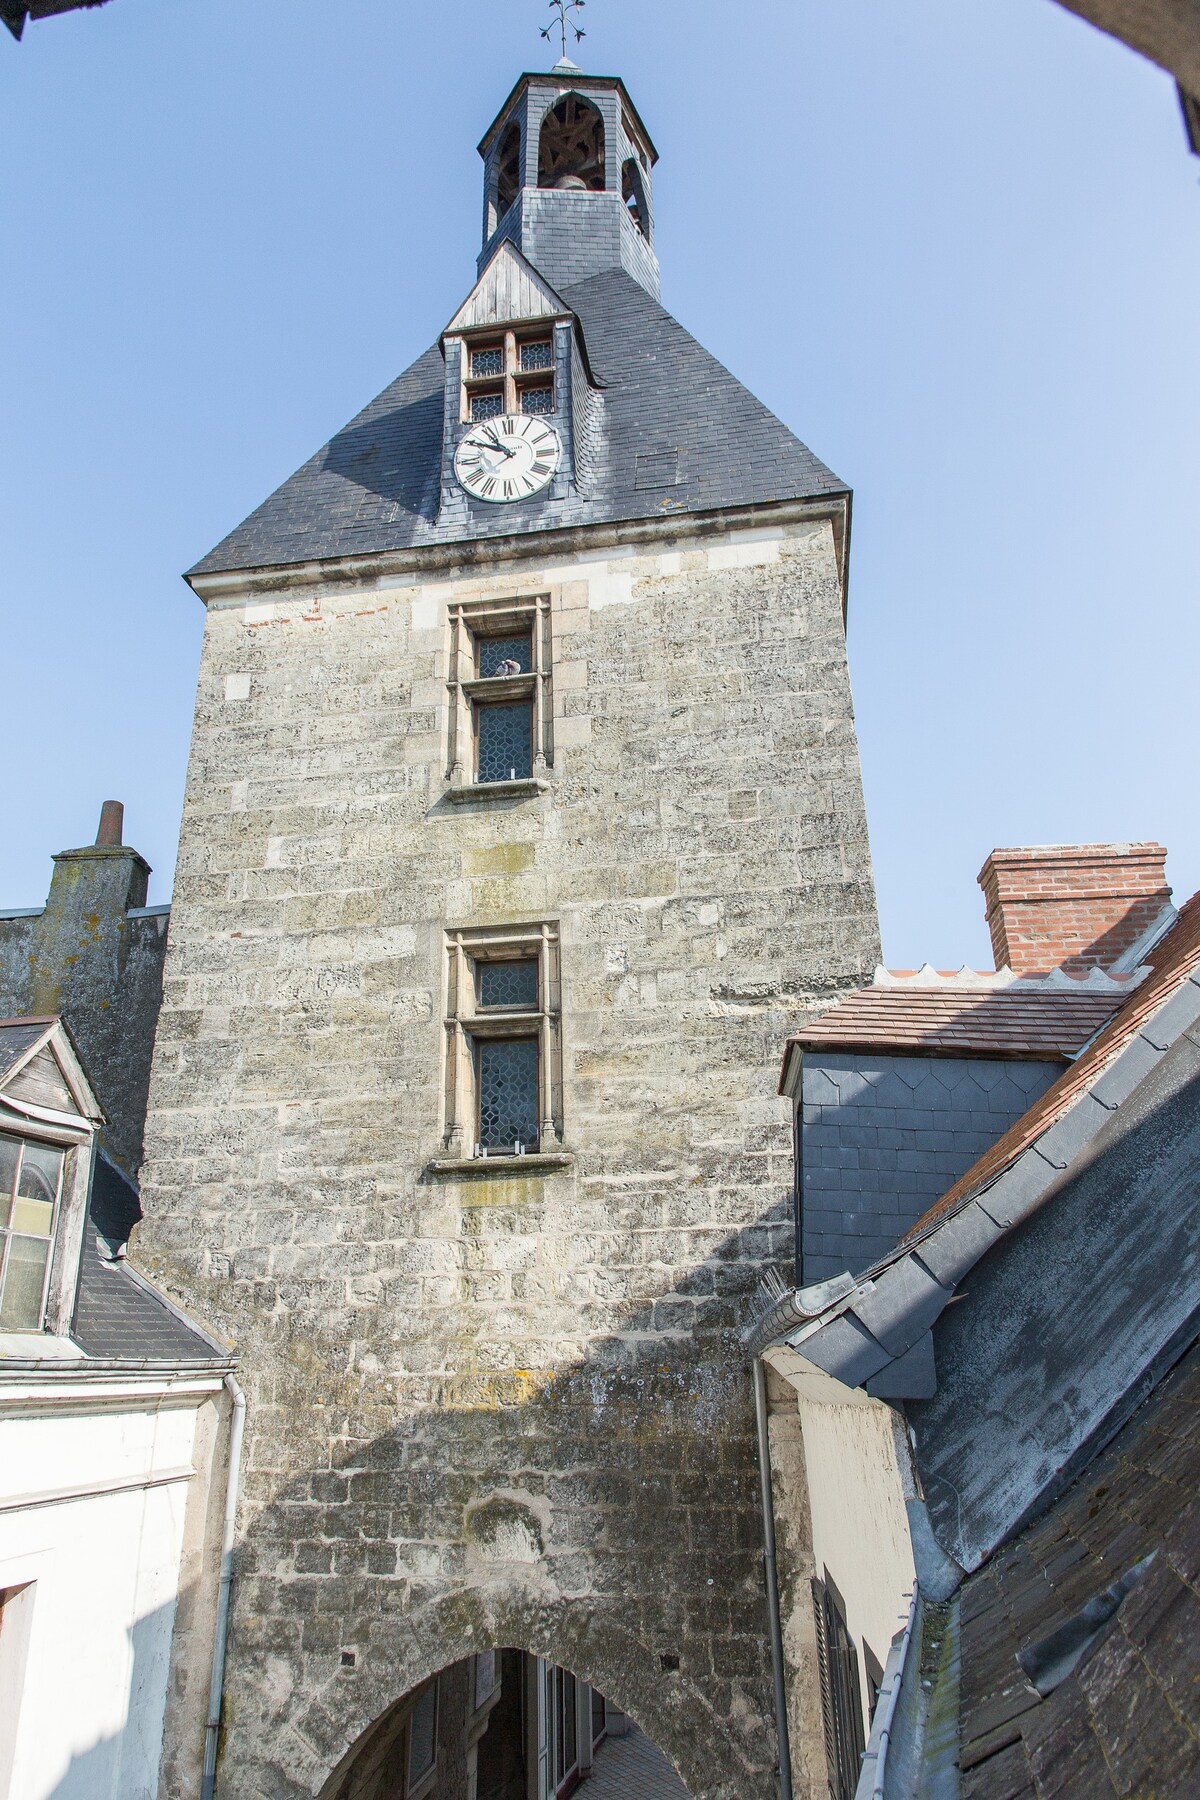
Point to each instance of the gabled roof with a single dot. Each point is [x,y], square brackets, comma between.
[1172,962]
[679,434]
[874,1330]
[510,290]
[40,1071]
[1035,1017]
[1083,1250]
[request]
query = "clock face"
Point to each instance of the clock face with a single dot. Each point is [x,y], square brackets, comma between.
[508,457]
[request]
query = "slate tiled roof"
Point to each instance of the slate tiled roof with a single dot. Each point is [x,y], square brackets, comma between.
[119,1317]
[375,487]
[17,1036]
[1174,958]
[1127,1721]
[1016,1021]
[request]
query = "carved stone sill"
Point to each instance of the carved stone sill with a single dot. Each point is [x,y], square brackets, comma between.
[497,790]
[536,1162]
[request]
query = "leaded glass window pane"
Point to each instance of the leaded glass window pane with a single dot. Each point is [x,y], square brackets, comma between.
[505,739]
[488,362]
[495,652]
[508,1092]
[509,983]
[537,400]
[486,406]
[537,356]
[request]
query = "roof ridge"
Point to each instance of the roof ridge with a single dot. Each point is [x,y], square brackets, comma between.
[1172,962]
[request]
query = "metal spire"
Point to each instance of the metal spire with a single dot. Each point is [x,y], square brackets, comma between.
[562,22]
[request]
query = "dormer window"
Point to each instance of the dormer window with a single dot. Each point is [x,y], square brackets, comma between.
[509,374]
[48,1119]
[30,1187]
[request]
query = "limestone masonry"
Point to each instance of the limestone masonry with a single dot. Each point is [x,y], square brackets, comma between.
[500,1400]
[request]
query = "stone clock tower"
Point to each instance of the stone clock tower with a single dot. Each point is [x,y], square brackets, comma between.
[523,824]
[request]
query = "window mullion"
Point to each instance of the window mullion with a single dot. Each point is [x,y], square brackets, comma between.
[456,696]
[510,371]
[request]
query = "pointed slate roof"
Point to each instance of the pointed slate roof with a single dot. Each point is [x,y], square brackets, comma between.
[680,434]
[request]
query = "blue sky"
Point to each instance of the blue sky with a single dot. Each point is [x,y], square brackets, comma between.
[954,245]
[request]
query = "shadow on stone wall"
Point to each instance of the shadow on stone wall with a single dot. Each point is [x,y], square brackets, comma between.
[603,1515]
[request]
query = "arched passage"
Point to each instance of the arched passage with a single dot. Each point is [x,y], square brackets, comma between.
[571,146]
[504,1725]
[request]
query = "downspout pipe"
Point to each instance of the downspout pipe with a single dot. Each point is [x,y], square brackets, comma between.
[772,1574]
[216,1686]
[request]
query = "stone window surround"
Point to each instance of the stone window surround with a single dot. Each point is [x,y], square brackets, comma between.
[471,620]
[466,1022]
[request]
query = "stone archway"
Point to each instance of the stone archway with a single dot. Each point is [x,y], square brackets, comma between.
[355,1721]
[503,1725]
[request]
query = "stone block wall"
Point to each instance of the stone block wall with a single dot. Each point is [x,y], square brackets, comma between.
[507,1406]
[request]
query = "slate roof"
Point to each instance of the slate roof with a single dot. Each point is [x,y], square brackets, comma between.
[18,1036]
[1174,958]
[1017,1021]
[119,1317]
[1127,1721]
[375,487]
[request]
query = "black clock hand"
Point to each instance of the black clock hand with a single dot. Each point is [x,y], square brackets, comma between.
[496,442]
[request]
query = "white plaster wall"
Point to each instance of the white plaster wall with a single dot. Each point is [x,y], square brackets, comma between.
[857,1484]
[105,1565]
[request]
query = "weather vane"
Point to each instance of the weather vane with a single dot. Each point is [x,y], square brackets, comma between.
[562,22]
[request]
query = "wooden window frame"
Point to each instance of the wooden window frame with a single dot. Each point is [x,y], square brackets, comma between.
[512,380]
[66,1232]
[471,622]
[467,1024]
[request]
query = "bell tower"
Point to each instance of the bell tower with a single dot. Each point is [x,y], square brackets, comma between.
[569,178]
[523,826]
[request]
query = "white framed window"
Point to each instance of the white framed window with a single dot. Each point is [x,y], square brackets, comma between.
[503,1076]
[31,1187]
[501,705]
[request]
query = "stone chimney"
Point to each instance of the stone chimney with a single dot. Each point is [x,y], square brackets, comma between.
[1074,906]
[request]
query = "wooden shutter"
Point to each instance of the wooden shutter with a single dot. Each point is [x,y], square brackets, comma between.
[841,1695]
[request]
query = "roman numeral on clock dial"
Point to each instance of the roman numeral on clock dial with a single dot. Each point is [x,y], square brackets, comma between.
[507,458]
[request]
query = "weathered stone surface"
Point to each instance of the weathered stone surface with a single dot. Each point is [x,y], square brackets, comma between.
[94,955]
[510,1409]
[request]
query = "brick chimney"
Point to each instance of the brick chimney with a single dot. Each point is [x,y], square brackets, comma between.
[1078,906]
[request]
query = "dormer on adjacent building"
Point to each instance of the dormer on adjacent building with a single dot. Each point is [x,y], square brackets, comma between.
[568,178]
[49,1117]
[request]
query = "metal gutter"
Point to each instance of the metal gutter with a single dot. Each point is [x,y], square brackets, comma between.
[772,1574]
[888,1715]
[216,1686]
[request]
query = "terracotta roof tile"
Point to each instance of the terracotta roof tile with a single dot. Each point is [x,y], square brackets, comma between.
[1012,1021]
[1174,958]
